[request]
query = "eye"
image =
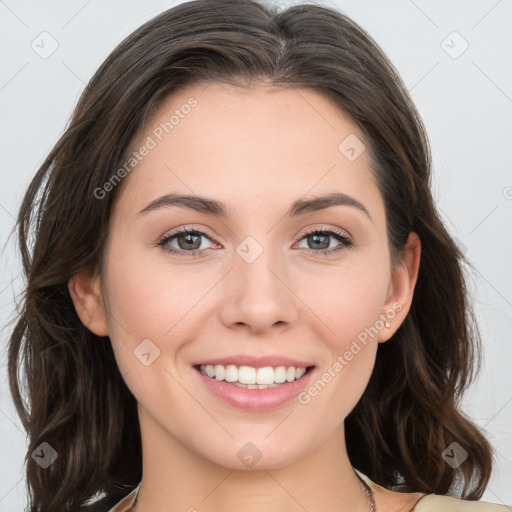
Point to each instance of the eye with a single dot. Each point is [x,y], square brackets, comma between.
[186,239]
[189,241]
[319,238]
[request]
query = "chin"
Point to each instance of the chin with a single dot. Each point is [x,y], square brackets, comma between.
[256,454]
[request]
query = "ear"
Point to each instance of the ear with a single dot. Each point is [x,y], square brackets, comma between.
[85,290]
[401,288]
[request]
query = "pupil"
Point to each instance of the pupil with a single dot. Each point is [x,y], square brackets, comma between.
[315,237]
[188,237]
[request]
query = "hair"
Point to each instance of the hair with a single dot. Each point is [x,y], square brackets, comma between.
[78,401]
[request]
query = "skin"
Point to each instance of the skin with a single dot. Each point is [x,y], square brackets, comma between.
[257,150]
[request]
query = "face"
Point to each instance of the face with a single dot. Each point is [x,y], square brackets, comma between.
[304,286]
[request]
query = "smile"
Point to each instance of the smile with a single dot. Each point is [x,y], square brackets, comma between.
[251,388]
[253,378]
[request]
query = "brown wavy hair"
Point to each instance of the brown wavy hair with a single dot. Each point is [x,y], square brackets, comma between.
[77,400]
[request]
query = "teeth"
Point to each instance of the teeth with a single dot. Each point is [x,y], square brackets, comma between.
[247,375]
[255,386]
[220,372]
[280,374]
[253,378]
[231,373]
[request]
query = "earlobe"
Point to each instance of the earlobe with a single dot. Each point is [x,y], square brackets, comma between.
[402,287]
[85,290]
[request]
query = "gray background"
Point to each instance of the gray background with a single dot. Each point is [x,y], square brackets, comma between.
[464,97]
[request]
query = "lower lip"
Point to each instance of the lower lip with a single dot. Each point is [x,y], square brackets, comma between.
[255,399]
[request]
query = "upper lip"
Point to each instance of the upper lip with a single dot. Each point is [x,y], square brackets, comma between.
[256,361]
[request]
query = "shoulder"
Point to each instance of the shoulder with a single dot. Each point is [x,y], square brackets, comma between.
[415,502]
[436,503]
[125,504]
[115,502]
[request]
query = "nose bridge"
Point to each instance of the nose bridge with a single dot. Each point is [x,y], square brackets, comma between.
[256,267]
[260,296]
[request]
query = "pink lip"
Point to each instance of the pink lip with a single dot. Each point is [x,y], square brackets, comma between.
[255,399]
[256,362]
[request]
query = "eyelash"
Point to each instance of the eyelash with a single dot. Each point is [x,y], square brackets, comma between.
[346,242]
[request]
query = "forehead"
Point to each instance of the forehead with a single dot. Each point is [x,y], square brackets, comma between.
[262,142]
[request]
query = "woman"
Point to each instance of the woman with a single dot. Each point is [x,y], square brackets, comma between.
[241,295]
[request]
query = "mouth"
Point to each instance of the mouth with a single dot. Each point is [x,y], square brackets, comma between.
[250,377]
[254,388]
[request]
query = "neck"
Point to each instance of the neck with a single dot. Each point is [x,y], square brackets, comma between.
[175,478]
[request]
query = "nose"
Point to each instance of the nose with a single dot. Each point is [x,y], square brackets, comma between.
[259,295]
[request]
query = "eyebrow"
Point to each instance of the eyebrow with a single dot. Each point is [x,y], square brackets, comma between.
[213,207]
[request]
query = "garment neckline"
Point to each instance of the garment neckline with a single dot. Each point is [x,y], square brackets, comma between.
[374,486]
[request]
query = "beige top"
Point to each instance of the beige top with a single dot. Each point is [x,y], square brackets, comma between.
[427,503]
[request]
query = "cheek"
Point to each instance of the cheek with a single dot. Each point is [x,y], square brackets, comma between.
[349,299]
[349,306]
[150,297]
[143,305]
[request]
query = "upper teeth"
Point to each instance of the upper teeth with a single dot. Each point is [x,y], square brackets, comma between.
[249,375]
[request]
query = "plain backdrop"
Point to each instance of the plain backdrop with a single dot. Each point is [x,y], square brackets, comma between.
[455,58]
